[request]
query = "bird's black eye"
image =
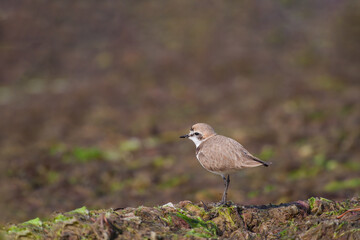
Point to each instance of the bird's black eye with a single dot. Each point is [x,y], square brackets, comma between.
[197,133]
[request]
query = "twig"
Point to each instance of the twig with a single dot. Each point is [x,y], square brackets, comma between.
[350,210]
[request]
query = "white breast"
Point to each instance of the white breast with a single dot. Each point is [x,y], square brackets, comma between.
[196,140]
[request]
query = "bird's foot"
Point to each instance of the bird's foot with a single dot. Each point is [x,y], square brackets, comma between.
[218,204]
[224,203]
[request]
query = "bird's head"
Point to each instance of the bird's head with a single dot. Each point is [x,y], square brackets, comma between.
[199,132]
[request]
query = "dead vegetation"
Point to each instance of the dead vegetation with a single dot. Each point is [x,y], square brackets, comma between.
[315,218]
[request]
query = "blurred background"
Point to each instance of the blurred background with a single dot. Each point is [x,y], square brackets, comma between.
[94,95]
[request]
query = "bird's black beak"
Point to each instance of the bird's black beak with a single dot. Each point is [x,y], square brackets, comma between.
[185,136]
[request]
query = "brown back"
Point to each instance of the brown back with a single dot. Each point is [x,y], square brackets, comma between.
[223,155]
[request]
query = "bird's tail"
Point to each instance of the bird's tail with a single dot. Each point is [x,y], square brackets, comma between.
[266,164]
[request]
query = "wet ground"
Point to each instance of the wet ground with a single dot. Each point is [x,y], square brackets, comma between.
[93,98]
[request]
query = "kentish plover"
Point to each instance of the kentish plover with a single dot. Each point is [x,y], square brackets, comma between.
[219,154]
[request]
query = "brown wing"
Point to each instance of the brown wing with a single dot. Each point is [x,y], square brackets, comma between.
[249,155]
[222,154]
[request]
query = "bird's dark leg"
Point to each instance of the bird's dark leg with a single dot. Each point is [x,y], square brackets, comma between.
[227,182]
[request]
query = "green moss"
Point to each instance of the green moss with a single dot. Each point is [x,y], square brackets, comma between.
[325,200]
[332,213]
[253,194]
[29,229]
[187,222]
[352,166]
[319,164]
[195,210]
[266,153]
[311,201]
[84,155]
[226,213]
[342,207]
[112,155]
[77,154]
[62,218]
[283,233]
[355,230]
[18,230]
[117,186]
[82,210]
[36,222]
[304,172]
[201,233]
[161,162]
[174,181]
[167,219]
[269,188]
[130,145]
[138,210]
[52,177]
[340,226]
[200,228]
[335,186]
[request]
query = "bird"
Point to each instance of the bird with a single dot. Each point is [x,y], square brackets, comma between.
[220,155]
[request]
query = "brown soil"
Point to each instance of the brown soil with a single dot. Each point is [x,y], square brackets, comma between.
[316,218]
[94,95]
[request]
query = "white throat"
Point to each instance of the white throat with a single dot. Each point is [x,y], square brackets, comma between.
[196,140]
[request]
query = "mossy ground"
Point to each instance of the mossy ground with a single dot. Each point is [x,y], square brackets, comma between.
[95,94]
[315,218]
